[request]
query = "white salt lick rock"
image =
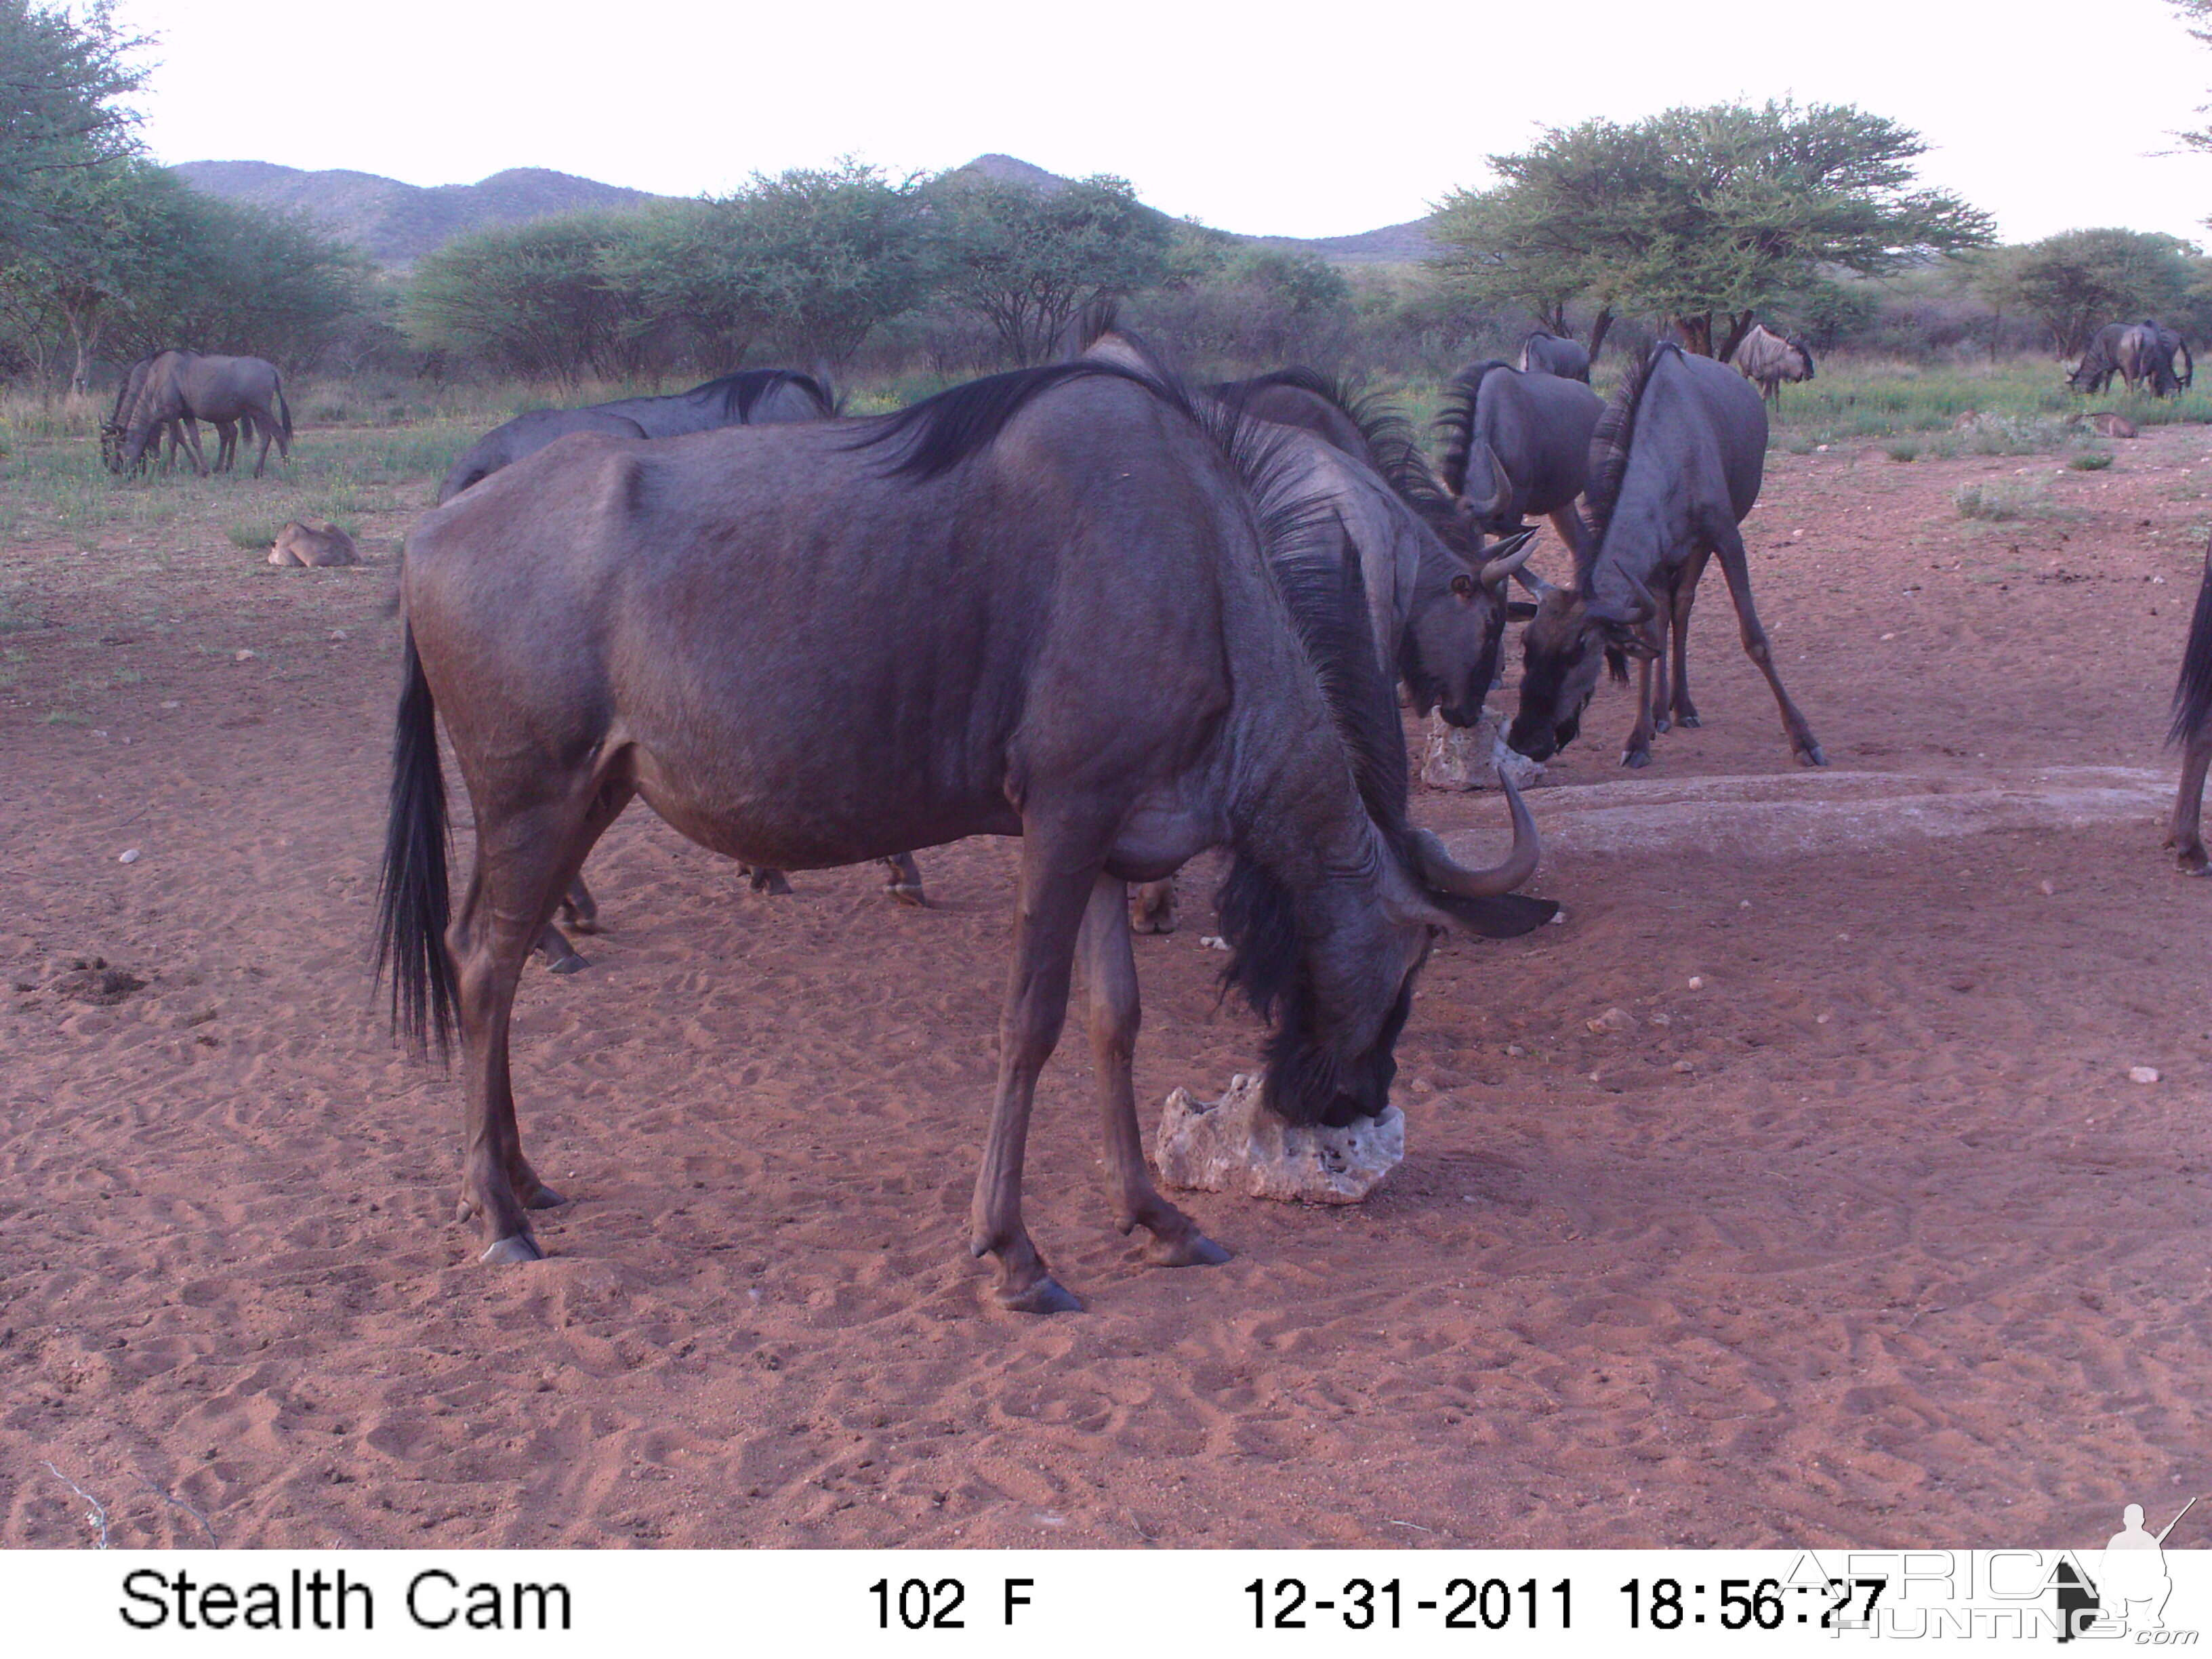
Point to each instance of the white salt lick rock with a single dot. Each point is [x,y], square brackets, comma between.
[1230,1146]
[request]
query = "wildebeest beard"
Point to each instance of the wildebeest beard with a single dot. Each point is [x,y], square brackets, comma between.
[1303,1082]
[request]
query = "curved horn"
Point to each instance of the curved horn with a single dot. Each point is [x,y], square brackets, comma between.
[1501,489]
[1536,584]
[1444,873]
[1509,556]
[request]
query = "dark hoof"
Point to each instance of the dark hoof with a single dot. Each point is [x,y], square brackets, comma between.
[1142,923]
[1812,756]
[1687,720]
[2193,863]
[907,892]
[1195,1250]
[515,1248]
[770,882]
[1637,759]
[584,924]
[1045,1297]
[571,964]
[464,1211]
[1661,725]
[542,1197]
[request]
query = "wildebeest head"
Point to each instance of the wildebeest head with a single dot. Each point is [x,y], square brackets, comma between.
[1325,938]
[1332,969]
[1566,643]
[1454,635]
[1804,357]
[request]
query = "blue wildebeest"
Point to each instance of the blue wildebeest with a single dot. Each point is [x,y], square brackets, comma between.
[1767,359]
[2168,343]
[752,397]
[2134,351]
[1546,353]
[1050,603]
[2192,728]
[186,387]
[1516,445]
[1674,466]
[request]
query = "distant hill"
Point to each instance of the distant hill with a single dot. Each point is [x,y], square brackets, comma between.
[398,223]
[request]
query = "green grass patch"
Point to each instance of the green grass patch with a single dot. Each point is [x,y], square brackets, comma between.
[2094,461]
[1997,502]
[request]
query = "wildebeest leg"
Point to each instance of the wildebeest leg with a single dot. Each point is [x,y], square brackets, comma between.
[193,444]
[765,880]
[579,911]
[1109,972]
[903,880]
[1650,694]
[526,855]
[1568,523]
[1156,906]
[1058,871]
[1686,595]
[225,447]
[268,433]
[1737,568]
[2182,833]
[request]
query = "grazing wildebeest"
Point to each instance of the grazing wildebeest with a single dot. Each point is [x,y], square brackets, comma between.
[2192,728]
[1047,603]
[1517,444]
[1674,466]
[2167,342]
[752,397]
[1545,352]
[183,384]
[1769,358]
[117,426]
[2131,350]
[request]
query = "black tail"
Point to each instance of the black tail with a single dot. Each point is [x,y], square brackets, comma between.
[412,905]
[2192,693]
[1455,422]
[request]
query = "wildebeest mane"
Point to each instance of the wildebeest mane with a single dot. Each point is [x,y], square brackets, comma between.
[1611,439]
[2192,692]
[741,393]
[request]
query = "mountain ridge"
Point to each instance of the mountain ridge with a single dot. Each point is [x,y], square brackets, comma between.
[398,223]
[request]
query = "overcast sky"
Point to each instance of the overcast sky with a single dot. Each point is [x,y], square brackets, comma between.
[1282,119]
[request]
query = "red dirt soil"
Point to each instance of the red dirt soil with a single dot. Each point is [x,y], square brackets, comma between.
[1869,1241]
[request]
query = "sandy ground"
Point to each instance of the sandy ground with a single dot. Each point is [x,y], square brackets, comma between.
[1869,1240]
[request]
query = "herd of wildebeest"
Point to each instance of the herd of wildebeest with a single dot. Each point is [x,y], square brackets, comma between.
[1124,616]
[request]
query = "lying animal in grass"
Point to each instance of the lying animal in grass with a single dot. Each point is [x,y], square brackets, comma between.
[301,544]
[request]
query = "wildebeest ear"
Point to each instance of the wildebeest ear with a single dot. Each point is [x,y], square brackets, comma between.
[1519,609]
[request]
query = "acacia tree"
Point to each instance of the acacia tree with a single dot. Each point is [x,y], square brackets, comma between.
[1700,216]
[532,299]
[2079,280]
[61,79]
[1026,260]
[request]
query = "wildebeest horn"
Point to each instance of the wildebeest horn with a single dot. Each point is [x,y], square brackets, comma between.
[1444,873]
[1508,557]
[1536,584]
[1489,506]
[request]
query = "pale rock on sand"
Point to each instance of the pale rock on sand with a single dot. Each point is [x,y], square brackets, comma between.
[1453,761]
[1230,1145]
[303,544]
